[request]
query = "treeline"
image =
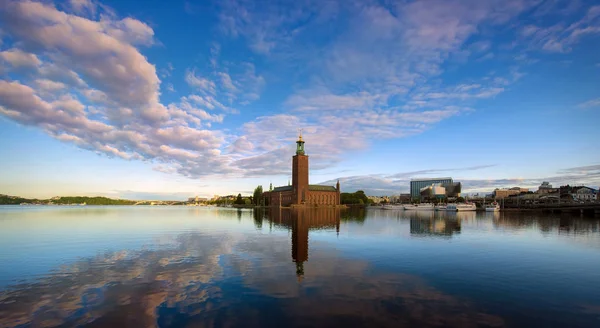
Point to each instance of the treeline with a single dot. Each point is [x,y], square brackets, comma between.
[356,198]
[15,200]
[12,200]
[92,201]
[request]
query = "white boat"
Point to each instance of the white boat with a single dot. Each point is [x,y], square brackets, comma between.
[493,207]
[440,207]
[419,207]
[393,207]
[462,207]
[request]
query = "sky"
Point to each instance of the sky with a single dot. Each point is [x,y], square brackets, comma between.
[173,99]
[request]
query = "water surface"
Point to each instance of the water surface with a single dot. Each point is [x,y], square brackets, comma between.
[214,267]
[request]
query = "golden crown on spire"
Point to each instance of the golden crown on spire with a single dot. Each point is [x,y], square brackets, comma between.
[300,135]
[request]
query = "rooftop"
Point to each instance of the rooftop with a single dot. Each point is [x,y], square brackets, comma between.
[321,188]
[283,188]
[430,179]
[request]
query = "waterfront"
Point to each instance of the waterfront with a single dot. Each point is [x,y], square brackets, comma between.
[192,266]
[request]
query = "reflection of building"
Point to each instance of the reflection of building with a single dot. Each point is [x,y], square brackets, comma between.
[300,192]
[301,221]
[443,227]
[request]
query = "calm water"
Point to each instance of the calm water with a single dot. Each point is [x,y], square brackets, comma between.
[182,266]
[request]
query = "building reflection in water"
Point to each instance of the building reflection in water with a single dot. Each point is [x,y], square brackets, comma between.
[563,223]
[300,222]
[436,224]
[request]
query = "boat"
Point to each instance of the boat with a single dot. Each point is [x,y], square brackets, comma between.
[440,207]
[493,207]
[462,207]
[393,207]
[419,207]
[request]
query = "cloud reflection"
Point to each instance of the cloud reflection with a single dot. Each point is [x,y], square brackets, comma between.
[221,280]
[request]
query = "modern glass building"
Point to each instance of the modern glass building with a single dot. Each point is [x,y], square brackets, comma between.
[416,185]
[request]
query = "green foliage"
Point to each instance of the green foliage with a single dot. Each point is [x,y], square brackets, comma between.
[258,195]
[356,214]
[239,200]
[460,200]
[358,197]
[92,201]
[13,200]
[247,201]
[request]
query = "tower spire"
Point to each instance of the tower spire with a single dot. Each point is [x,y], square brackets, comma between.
[300,144]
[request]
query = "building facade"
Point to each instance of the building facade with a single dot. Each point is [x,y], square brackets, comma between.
[583,193]
[452,189]
[300,192]
[546,188]
[433,191]
[503,193]
[418,184]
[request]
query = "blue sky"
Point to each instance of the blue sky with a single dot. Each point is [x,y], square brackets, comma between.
[167,100]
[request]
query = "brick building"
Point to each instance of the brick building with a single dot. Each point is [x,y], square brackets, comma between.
[300,192]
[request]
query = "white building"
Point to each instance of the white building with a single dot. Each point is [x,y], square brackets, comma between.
[433,190]
[584,194]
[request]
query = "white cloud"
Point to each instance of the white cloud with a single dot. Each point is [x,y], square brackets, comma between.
[590,103]
[19,58]
[379,78]
[226,81]
[49,85]
[374,79]
[83,7]
[100,51]
[119,113]
[238,83]
[202,84]
[562,37]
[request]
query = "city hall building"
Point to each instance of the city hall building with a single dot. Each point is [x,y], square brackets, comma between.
[300,192]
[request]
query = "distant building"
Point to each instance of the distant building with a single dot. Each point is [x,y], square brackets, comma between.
[300,192]
[379,199]
[433,191]
[583,193]
[546,188]
[417,184]
[197,199]
[453,189]
[503,193]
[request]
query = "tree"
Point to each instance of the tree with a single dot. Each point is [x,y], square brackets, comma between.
[460,200]
[239,200]
[258,195]
[358,197]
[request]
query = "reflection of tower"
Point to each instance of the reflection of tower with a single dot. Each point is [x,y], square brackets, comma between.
[301,221]
[299,241]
